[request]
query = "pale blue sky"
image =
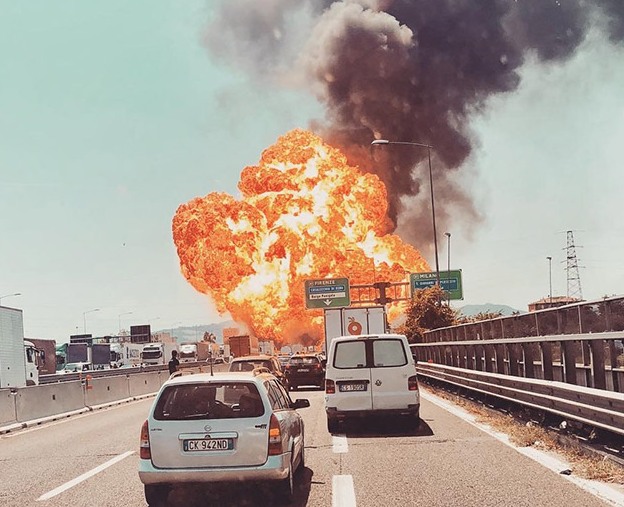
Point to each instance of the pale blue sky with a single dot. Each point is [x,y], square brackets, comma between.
[112,115]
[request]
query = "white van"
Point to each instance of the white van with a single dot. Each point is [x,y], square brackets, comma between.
[370,375]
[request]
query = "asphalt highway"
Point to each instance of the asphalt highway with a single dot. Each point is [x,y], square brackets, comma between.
[91,460]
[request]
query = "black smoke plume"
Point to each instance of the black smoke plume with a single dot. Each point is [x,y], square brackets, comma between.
[405,70]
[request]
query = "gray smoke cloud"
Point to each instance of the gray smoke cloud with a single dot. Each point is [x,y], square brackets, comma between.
[405,70]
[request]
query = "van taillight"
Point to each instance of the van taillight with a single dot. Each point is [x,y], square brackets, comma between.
[275,437]
[330,386]
[145,452]
[412,383]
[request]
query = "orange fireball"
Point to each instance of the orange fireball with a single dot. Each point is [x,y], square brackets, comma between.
[304,214]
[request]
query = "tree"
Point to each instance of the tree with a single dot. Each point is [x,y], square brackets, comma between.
[467,319]
[426,311]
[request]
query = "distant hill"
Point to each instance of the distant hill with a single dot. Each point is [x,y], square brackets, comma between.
[471,310]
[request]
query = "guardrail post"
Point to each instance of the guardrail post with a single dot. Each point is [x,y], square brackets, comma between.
[488,351]
[547,360]
[514,358]
[529,357]
[500,359]
[568,350]
[597,348]
[613,361]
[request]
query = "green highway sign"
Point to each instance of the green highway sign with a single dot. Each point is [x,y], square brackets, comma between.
[450,281]
[327,293]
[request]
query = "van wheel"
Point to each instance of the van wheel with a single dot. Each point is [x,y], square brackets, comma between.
[156,495]
[332,425]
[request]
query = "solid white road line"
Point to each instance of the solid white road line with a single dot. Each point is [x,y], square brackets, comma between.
[83,477]
[340,444]
[343,492]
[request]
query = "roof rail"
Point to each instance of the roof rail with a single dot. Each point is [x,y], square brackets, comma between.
[259,370]
[179,373]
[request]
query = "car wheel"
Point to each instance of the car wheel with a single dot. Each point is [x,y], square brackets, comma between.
[332,425]
[302,458]
[156,495]
[286,487]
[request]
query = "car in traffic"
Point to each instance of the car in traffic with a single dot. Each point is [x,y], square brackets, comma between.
[370,375]
[76,367]
[204,429]
[249,363]
[305,370]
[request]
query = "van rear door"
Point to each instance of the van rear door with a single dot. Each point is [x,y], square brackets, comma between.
[391,368]
[352,376]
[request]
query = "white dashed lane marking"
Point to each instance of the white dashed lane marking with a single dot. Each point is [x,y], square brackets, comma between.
[83,477]
[339,444]
[343,492]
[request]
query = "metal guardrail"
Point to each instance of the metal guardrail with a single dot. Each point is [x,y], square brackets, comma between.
[594,407]
[590,360]
[111,372]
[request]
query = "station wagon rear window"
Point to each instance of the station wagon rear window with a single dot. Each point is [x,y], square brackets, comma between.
[214,400]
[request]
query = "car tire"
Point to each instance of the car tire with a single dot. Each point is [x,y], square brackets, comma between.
[156,495]
[332,425]
[286,487]
[302,458]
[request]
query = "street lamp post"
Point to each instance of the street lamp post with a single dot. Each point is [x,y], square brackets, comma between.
[549,278]
[448,252]
[448,264]
[9,295]
[120,316]
[84,318]
[435,234]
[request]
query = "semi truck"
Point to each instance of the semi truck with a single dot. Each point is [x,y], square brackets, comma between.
[47,355]
[100,356]
[194,351]
[125,354]
[354,321]
[18,357]
[243,345]
[158,352]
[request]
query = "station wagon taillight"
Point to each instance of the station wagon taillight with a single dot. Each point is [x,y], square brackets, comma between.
[412,383]
[145,452]
[330,386]
[275,437]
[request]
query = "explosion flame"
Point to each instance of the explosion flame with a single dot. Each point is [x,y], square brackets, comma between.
[304,214]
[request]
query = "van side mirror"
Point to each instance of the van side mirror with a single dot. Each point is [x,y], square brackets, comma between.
[324,363]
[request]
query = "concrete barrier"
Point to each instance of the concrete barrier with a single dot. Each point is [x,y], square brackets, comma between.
[7,407]
[41,401]
[106,389]
[146,383]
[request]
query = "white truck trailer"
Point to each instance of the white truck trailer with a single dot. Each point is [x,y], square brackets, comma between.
[158,352]
[354,321]
[18,358]
[194,351]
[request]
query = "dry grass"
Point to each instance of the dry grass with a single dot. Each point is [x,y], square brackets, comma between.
[582,463]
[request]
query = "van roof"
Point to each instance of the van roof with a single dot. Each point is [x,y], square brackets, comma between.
[368,336]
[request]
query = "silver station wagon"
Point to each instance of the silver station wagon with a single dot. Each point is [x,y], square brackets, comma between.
[206,428]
